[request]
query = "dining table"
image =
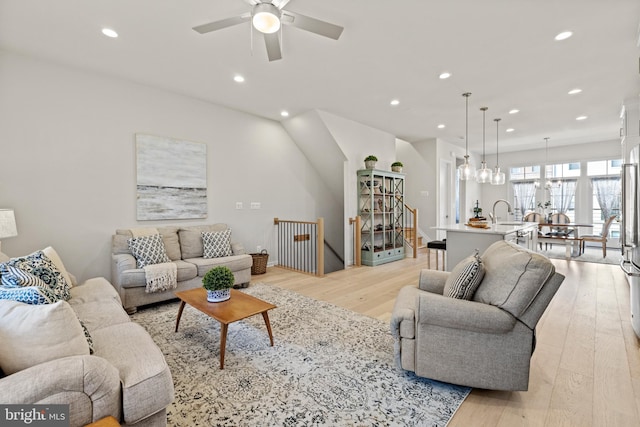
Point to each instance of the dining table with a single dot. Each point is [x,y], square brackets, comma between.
[572,242]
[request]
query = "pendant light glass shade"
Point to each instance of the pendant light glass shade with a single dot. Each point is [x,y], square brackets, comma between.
[498,176]
[466,170]
[484,174]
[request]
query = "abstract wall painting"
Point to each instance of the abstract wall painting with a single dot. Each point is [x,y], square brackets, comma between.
[171,178]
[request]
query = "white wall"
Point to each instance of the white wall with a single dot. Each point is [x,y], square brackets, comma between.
[68,168]
[357,141]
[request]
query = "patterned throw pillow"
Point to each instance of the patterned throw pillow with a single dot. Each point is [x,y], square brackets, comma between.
[39,265]
[18,285]
[28,294]
[217,243]
[148,250]
[465,278]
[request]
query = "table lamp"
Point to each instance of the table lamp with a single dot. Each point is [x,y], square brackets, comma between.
[7,224]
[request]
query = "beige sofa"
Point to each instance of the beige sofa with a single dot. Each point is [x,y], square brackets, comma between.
[184,247]
[485,342]
[49,361]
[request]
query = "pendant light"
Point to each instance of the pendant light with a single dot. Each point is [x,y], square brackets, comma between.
[484,174]
[498,176]
[547,184]
[467,171]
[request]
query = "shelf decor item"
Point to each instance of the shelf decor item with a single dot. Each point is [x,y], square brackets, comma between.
[370,162]
[218,283]
[396,166]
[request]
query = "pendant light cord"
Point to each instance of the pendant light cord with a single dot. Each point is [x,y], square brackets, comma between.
[497,135]
[466,124]
[484,111]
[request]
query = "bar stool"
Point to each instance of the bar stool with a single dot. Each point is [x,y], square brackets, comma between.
[440,246]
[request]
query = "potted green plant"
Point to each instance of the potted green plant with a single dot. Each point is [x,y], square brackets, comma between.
[370,161]
[218,282]
[396,166]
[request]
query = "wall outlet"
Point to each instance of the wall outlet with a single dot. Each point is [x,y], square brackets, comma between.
[258,248]
[255,205]
[239,205]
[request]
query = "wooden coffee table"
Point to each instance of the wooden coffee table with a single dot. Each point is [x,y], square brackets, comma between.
[238,307]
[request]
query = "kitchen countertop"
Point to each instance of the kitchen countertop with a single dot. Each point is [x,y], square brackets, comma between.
[500,228]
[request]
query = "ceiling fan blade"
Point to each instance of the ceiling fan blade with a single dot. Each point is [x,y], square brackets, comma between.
[313,25]
[223,23]
[279,3]
[273,46]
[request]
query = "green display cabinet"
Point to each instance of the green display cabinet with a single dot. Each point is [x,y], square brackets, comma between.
[381,209]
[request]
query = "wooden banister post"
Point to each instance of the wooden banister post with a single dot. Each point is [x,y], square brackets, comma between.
[320,270]
[415,233]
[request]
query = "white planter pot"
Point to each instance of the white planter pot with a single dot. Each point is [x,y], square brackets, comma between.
[218,296]
[396,168]
[370,164]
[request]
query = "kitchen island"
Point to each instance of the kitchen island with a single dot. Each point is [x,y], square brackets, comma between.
[462,239]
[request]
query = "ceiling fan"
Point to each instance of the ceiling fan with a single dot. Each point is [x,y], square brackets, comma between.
[268,17]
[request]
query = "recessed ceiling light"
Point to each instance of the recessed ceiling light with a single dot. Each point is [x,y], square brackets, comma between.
[284,113]
[563,35]
[394,102]
[445,75]
[574,91]
[238,78]
[514,111]
[441,126]
[510,130]
[581,118]
[109,33]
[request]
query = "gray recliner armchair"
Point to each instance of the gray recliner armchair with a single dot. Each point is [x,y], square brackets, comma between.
[485,342]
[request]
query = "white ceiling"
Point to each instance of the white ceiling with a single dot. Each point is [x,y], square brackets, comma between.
[503,51]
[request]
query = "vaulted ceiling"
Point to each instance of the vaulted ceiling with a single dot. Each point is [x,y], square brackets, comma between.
[502,51]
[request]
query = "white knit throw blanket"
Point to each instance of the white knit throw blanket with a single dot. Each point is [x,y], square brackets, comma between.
[161,277]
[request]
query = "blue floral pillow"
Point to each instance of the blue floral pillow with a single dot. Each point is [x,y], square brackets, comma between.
[33,271]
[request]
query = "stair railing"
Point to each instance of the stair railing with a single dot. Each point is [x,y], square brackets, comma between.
[411,220]
[301,245]
[357,240]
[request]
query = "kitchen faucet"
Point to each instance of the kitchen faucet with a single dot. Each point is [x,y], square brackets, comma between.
[494,218]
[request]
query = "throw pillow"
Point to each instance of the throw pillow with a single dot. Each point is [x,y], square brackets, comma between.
[38,333]
[465,278]
[18,285]
[148,250]
[217,243]
[28,294]
[40,266]
[57,261]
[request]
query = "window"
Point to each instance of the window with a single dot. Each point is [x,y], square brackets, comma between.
[605,183]
[563,170]
[523,180]
[524,173]
[604,167]
[524,198]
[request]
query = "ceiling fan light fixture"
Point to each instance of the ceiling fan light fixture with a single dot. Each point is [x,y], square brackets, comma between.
[266,18]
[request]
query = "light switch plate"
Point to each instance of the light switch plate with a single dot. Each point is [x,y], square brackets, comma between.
[239,205]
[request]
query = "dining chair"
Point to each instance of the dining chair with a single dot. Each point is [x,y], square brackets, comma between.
[533,217]
[599,238]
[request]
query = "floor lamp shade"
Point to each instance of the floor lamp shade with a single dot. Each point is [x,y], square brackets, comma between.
[7,224]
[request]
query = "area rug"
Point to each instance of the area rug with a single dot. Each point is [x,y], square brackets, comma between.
[591,254]
[328,367]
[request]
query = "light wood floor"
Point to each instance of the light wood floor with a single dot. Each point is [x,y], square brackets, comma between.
[586,367]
